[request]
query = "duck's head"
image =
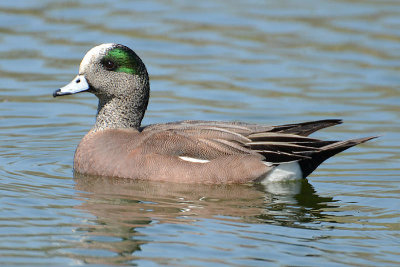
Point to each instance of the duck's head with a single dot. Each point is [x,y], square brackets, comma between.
[118,77]
[108,70]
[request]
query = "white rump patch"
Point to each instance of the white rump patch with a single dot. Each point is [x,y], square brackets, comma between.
[288,171]
[194,160]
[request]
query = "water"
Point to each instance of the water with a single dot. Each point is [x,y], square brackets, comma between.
[265,62]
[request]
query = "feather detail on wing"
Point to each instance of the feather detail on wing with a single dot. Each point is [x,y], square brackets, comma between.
[207,140]
[210,139]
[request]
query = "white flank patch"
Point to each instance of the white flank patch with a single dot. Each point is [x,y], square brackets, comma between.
[194,160]
[288,171]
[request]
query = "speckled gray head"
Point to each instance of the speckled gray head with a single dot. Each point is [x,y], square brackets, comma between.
[118,77]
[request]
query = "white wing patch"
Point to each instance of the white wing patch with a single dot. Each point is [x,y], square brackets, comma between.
[283,172]
[194,160]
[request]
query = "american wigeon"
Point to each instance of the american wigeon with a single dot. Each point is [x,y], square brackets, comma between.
[186,151]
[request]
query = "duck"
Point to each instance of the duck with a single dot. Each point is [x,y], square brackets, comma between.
[190,151]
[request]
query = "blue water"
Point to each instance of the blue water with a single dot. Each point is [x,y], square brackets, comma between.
[265,62]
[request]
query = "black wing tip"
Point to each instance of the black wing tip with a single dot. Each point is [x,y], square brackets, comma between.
[306,128]
[325,122]
[335,121]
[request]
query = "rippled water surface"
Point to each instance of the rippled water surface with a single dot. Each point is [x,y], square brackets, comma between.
[269,62]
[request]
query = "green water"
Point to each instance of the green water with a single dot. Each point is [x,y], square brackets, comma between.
[269,62]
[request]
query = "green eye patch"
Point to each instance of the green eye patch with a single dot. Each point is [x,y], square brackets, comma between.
[124,60]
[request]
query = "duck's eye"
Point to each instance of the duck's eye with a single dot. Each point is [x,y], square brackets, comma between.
[109,65]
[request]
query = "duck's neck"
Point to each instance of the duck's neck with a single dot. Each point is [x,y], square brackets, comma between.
[116,113]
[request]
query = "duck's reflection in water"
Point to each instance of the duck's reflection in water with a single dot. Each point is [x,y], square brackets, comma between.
[122,206]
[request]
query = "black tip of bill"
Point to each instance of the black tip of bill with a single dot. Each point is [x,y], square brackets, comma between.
[56,92]
[77,85]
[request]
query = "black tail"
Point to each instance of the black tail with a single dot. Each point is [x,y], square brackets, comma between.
[317,157]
